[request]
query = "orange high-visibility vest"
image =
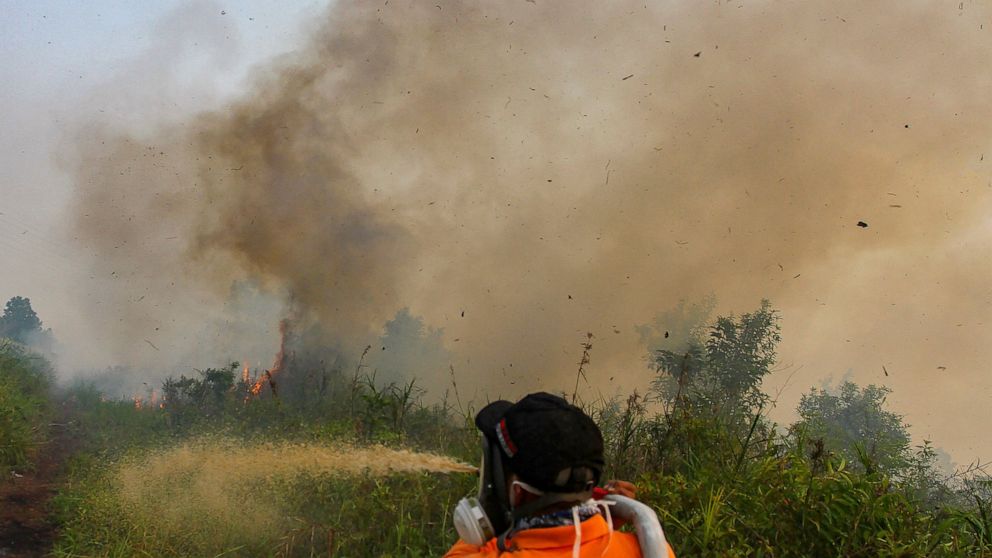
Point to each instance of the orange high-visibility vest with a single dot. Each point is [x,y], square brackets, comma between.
[552,542]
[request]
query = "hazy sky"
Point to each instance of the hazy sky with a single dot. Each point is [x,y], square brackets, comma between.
[66,62]
[517,174]
[54,55]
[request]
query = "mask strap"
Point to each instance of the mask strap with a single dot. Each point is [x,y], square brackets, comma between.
[499,485]
[496,502]
[605,505]
[501,540]
[529,488]
[577,545]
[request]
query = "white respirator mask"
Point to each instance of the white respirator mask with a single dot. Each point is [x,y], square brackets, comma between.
[486,515]
[471,522]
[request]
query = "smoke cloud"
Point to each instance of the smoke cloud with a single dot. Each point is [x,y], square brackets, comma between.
[521,173]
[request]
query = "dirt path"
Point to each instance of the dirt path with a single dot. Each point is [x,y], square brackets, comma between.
[27,528]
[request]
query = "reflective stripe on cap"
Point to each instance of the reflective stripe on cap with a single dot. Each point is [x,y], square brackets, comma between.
[503,435]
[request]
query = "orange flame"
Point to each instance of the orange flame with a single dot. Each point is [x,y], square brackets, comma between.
[256,388]
[277,366]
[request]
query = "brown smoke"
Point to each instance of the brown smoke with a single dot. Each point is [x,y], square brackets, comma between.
[554,168]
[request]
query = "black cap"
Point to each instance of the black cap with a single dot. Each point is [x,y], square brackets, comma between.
[548,442]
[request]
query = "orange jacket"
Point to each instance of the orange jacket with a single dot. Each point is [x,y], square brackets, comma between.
[552,542]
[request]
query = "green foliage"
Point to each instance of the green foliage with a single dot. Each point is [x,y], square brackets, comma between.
[740,353]
[25,380]
[777,505]
[722,374]
[728,482]
[853,423]
[190,401]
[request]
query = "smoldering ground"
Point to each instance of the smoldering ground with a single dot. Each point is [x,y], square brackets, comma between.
[521,173]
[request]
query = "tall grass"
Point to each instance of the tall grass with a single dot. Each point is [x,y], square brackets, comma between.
[214,496]
[25,409]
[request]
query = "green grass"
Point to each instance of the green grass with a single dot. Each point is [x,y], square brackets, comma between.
[25,409]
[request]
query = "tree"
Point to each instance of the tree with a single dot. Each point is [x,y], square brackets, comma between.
[723,372]
[409,349]
[188,399]
[852,422]
[19,321]
[709,382]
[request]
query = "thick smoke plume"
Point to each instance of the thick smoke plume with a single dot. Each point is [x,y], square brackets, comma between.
[520,173]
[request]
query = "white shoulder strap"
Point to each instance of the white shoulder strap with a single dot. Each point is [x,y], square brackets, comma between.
[650,535]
